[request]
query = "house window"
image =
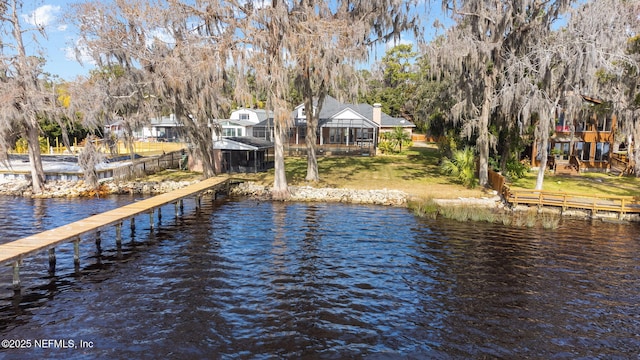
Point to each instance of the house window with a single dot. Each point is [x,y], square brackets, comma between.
[365,135]
[602,151]
[244,116]
[334,135]
[563,148]
[228,132]
[562,124]
[583,150]
[260,132]
[604,124]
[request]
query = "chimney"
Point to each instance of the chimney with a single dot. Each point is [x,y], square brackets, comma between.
[377,114]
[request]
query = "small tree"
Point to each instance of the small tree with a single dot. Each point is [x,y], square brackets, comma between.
[88,159]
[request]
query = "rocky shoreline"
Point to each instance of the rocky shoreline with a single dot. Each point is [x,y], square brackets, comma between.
[352,196]
[71,189]
[311,194]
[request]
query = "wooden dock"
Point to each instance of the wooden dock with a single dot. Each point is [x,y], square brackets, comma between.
[15,251]
[611,203]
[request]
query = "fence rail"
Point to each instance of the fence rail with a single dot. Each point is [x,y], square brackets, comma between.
[565,200]
[620,204]
[143,166]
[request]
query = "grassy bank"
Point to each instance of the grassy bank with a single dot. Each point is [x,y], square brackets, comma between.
[416,172]
[586,183]
[531,218]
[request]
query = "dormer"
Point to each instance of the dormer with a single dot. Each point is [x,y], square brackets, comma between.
[253,116]
[300,113]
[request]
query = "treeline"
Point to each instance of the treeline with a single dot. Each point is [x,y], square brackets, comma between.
[494,79]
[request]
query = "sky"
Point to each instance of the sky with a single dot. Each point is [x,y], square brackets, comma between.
[58,46]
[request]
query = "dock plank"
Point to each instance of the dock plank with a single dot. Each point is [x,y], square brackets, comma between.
[21,248]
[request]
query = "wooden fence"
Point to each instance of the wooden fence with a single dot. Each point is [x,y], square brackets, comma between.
[564,200]
[144,166]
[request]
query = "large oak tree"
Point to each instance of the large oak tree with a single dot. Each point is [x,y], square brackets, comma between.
[25,97]
[475,50]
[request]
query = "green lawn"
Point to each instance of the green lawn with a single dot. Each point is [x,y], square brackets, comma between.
[586,183]
[416,172]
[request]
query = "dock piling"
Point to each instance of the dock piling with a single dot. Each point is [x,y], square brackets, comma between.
[119,235]
[52,261]
[76,252]
[16,275]
[98,242]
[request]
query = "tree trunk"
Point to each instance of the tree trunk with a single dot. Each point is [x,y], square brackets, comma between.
[312,124]
[280,189]
[311,138]
[205,153]
[35,161]
[312,158]
[544,133]
[483,134]
[636,149]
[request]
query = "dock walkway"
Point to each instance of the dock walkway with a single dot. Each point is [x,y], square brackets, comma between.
[595,203]
[17,250]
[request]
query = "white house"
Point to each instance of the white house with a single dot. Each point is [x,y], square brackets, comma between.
[240,122]
[165,128]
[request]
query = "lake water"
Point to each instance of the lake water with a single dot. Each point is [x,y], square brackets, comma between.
[262,280]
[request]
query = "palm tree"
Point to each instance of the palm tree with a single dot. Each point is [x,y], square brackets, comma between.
[399,137]
[462,166]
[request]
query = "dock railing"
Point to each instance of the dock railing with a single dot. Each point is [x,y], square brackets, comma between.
[565,200]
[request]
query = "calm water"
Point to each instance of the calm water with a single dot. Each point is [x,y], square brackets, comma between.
[265,280]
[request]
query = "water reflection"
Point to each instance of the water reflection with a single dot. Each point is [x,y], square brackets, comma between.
[290,280]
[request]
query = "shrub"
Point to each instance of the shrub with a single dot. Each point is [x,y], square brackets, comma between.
[462,166]
[385,146]
[517,169]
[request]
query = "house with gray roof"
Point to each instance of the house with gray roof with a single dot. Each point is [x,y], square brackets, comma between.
[342,128]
